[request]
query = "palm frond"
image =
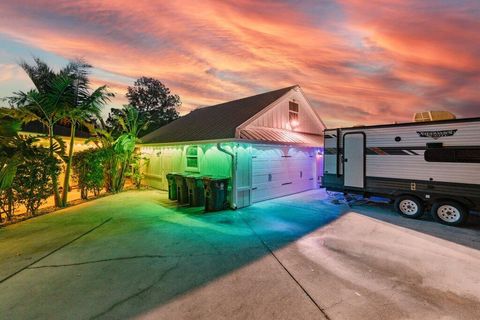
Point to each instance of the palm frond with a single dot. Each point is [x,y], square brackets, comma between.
[77,69]
[8,171]
[39,73]
[59,146]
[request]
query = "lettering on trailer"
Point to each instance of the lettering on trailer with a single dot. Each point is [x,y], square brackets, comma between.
[437,133]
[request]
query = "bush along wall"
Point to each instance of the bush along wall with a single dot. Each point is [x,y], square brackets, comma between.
[32,184]
[89,169]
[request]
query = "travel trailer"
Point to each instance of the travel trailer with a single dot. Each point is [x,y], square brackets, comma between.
[420,165]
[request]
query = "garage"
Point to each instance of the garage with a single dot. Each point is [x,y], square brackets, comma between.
[280,171]
[267,146]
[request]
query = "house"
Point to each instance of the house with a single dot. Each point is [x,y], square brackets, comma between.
[269,145]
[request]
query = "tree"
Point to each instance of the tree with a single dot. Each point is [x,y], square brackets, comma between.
[46,103]
[84,106]
[154,102]
[60,96]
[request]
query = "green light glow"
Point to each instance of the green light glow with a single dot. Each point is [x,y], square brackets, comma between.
[165,159]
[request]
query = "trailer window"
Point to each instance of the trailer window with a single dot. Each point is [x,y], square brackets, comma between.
[453,154]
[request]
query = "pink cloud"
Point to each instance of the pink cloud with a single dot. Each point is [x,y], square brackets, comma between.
[377,61]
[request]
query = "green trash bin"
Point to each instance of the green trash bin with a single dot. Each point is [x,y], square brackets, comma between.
[172,186]
[182,192]
[196,194]
[216,189]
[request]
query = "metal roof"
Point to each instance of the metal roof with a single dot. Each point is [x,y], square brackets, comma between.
[216,122]
[281,136]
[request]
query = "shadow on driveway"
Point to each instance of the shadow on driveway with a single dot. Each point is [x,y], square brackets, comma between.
[137,254]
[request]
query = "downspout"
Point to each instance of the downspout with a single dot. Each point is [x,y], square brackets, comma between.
[233,203]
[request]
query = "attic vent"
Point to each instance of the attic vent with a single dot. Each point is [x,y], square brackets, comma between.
[293,114]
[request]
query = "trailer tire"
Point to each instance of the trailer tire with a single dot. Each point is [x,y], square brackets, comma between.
[409,206]
[449,212]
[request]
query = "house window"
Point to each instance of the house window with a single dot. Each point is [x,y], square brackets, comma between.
[192,157]
[293,114]
[453,154]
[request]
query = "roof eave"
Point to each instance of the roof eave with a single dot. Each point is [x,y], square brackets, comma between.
[161,144]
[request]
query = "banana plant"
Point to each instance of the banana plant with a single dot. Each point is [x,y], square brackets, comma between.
[132,123]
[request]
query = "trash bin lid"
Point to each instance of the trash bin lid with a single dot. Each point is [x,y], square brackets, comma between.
[215,178]
[178,174]
[171,175]
[193,175]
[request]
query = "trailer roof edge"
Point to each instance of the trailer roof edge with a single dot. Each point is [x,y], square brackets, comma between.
[405,124]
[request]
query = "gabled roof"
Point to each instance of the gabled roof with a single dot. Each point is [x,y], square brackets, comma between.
[215,122]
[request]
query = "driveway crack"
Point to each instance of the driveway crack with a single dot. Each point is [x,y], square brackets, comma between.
[100,260]
[136,294]
[321,309]
[55,250]
[146,256]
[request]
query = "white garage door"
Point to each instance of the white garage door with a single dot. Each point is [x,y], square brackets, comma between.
[280,171]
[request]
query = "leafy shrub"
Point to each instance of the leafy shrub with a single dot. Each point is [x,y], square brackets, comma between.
[136,174]
[89,169]
[32,183]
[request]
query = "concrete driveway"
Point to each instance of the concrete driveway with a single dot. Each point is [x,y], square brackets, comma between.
[136,255]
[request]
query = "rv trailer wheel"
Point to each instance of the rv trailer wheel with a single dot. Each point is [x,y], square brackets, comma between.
[449,212]
[409,206]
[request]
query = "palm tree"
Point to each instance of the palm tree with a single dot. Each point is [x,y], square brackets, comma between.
[46,103]
[84,106]
[60,96]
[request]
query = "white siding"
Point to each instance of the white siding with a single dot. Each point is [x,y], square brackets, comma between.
[277,116]
[163,160]
[467,134]
[243,153]
[415,167]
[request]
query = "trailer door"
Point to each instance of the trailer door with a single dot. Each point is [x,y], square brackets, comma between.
[354,160]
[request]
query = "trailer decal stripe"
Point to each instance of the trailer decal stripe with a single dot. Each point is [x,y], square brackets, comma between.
[384,151]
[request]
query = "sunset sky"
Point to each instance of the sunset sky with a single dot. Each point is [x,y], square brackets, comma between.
[358,61]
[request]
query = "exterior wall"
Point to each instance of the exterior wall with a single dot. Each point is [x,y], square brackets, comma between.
[410,164]
[243,177]
[166,159]
[415,166]
[278,116]
[211,161]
